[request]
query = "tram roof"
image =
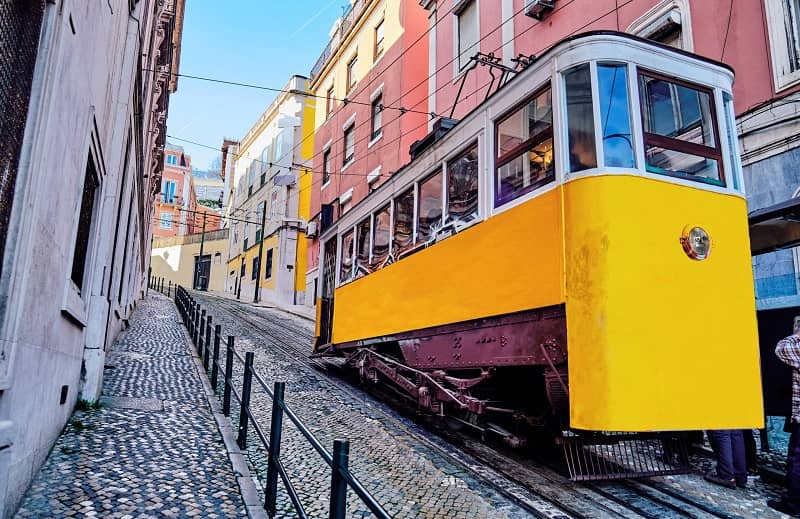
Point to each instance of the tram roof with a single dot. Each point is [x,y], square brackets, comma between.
[775,227]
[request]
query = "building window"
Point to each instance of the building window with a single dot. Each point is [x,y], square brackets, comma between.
[172,159]
[466,33]
[79,255]
[462,188]
[168,192]
[668,23]
[254,273]
[783,17]
[378,40]
[351,72]
[680,137]
[165,221]
[525,149]
[326,166]
[268,265]
[266,158]
[273,205]
[376,110]
[349,144]
[329,102]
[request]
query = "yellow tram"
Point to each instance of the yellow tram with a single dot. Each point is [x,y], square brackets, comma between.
[582,232]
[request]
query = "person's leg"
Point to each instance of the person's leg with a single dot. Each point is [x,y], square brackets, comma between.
[792,496]
[739,457]
[724,453]
[750,450]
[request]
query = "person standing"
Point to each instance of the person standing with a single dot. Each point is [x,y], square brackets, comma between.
[788,351]
[729,450]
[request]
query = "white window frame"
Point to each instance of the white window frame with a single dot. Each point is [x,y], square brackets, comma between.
[163,221]
[779,47]
[458,69]
[661,14]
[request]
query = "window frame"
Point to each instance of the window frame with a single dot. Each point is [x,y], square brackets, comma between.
[351,72]
[378,46]
[326,166]
[460,68]
[678,145]
[376,109]
[329,102]
[522,147]
[779,46]
[458,155]
[347,160]
[165,223]
[268,263]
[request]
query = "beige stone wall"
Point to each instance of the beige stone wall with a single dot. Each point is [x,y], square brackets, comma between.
[173,258]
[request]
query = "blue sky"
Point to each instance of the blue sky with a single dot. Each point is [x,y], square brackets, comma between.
[260,42]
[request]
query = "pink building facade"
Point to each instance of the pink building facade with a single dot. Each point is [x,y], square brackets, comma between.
[377,63]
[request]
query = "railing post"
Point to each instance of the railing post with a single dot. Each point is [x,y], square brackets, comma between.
[341,455]
[271,487]
[226,390]
[190,319]
[215,360]
[241,440]
[200,332]
[207,350]
[169,288]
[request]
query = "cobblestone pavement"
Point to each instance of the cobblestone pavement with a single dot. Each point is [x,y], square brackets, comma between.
[411,479]
[152,449]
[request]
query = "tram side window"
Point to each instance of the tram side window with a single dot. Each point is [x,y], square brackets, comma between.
[380,237]
[580,118]
[679,132]
[362,247]
[525,149]
[403,223]
[346,270]
[462,188]
[429,211]
[615,116]
[730,126]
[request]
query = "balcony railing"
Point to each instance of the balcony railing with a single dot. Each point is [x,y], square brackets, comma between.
[348,20]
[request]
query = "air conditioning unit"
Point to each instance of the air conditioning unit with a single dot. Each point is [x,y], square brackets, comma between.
[538,8]
[311,230]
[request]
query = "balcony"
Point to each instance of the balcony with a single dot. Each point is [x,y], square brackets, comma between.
[347,21]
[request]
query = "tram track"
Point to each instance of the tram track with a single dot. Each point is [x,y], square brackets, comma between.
[526,482]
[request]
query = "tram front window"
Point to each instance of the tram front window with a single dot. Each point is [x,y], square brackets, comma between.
[679,131]
[615,118]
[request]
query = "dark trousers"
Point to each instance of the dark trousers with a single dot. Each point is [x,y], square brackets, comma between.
[792,495]
[729,449]
[751,454]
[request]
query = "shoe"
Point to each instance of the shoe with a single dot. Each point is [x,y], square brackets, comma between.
[727,483]
[753,474]
[781,506]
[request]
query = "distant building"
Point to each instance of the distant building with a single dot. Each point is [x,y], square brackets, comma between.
[84,98]
[177,260]
[176,202]
[208,185]
[269,181]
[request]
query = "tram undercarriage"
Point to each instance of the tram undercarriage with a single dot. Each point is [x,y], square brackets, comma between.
[486,376]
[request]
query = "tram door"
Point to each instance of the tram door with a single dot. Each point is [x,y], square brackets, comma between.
[326,299]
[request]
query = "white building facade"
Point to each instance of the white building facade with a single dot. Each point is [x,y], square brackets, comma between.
[81,160]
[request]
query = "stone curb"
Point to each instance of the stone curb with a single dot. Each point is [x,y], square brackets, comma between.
[247,487]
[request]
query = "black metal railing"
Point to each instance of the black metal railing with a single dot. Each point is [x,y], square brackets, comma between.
[162,285]
[208,344]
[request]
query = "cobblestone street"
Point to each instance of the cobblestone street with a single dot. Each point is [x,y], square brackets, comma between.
[403,465]
[152,449]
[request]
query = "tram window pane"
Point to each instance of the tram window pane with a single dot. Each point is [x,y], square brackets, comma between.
[612,80]
[677,111]
[676,163]
[462,187]
[362,247]
[380,238]
[346,270]
[525,172]
[430,207]
[403,222]
[580,118]
[528,122]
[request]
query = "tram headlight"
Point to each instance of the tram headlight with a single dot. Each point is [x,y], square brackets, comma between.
[696,242]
